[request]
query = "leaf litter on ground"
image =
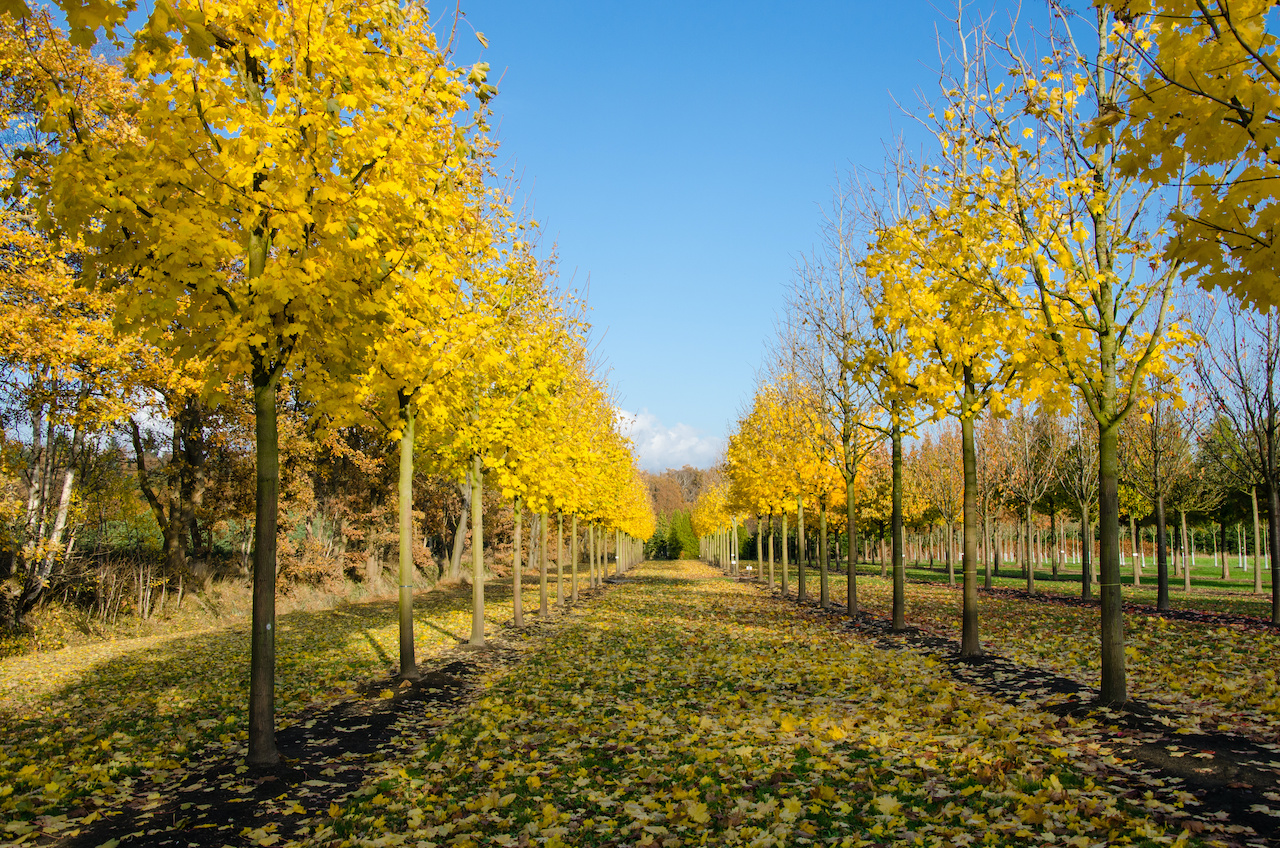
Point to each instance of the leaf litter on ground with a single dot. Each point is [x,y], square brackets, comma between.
[687,710]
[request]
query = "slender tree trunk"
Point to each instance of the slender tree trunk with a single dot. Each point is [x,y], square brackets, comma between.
[987,551]
[591,535]
[477,551]
[1162,556]
[824,599]
[851,518]
[1136,541]
[560,559]
[970,645]
[1188,553]
[542,565]
[1273,543]
[999,550]
[951,552]
[1086,565]
[262,662]
[517,567]
[800,593]
[786,541]
[759,546]
[408,662]
[572,555]
[1220,561]
[1031,559]
[899,558]
[1113,687]
[771,547]
[1056,553]
[1257,544]
[733,557]
[460,534]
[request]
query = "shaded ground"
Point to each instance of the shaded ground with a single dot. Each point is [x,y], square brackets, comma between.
[1233,779]
[326,757]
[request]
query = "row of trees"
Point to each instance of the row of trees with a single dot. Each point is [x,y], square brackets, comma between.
[280,215]
[1033,261]
[1037,476]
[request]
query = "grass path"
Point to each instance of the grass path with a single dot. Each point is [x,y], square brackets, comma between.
[682,711]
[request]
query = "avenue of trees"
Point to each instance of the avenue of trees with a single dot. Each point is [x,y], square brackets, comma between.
[1053,330]
[266,300]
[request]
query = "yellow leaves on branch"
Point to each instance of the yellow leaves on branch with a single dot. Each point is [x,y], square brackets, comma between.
[1202,111]
[271,182]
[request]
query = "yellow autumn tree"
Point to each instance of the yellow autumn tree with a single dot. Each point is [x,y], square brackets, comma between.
[427,331]
[1096,288]
[971,348]
[271,185]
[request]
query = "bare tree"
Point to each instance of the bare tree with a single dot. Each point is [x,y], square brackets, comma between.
[829,314]
[1035,443]
[1237,369]
[1078,474]
[1157,455]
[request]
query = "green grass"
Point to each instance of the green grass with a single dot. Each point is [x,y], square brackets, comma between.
[1209,592]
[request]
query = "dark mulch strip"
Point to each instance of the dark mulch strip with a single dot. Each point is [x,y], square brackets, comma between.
[1228,774]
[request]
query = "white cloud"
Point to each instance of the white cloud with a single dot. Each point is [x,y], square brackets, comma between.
[660,447]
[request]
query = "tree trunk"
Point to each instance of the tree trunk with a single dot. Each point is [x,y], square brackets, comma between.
[1136,541]
[1113,686]
[824,600]
[408,662]
[987,551]
[262,661]
[786,560]
[1273,541]
[1086,555]
[851,584]
[591,536]
[542,565]
[1257,544]
[970,646]
[477,552]
[573,557]
[171,532]
[771,547]
[899,559]
[1222,563]
[759,546]
[733,556]
[560,559]
[1055,554]
[460,534]
[1162,556]
[1031,560]
[998,551]
[1188,553]
[951,553]
[800,593]
[517,582]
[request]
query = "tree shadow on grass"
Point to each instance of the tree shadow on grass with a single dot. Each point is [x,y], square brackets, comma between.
[147,718]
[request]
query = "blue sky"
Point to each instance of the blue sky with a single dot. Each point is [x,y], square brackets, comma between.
[678,155]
